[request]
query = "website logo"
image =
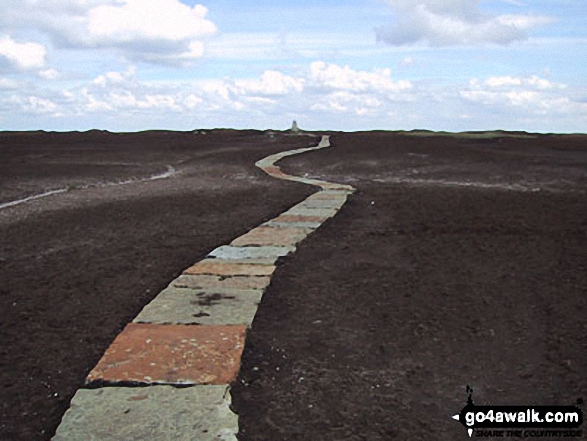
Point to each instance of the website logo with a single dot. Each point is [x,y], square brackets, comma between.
[520,421]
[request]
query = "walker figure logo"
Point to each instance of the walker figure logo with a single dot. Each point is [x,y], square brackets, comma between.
[520,421]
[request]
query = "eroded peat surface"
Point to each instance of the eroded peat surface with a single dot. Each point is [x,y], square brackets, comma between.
[458,261]
[77,266]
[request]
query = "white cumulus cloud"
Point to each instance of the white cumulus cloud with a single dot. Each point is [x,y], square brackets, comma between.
[453,22]
[35,104]
[132,20]
[22,55]
[344,78]
[157,31]
[272,83]
[533,94]
[8,84]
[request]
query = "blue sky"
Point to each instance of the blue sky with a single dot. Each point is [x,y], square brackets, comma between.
[126,65]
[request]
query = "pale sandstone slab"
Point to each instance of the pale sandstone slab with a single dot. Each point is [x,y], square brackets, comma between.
[189,306]
[209,282]
[240,253]
[323,194]
[272,236]
[339,191]
[225,268]
[162,413]
[339,187]
[172,354]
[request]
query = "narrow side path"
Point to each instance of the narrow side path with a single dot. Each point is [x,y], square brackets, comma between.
[185,347]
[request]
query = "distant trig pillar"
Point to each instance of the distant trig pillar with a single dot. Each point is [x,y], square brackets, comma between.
[294,127]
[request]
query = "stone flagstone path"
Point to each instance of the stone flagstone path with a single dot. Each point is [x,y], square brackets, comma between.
[184,348]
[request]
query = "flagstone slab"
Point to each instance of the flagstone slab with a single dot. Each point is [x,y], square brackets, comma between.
[226,268]
[332,186]
[272,236]
[210,282]
[260,261]
[265,252]
[323,203]
[162,413]
[308,181]
[329,194]
[212,291]
[276,172]
[301,210]
[337,191]
[190,306]
[311,225]
[172,354]
[322,195]
[298,218]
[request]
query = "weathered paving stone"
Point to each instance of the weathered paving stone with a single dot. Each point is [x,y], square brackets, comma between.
[189,306]
[300,210]
[209,282]
[227,268]
[340,191]
[272,236]
[296,218]
[331,186]
[329,196]
[312,225]
[231,252]
[308,181]
[162,413]
[276,172]
[172,354]
[212,291]
[260,261]
[322,203]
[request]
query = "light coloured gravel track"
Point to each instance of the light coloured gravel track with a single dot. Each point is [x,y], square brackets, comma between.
[185,347]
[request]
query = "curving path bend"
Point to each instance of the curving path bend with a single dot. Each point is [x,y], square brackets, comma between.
[185,346]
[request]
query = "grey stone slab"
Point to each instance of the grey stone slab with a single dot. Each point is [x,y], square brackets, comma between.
[161,413]
[322,203]
[211,282]
[269,261]
[215,290]
[330,194]
[198,307]
[264,252]
[324,195]
[341,192]
[308,181]
[301,210]
[278,224]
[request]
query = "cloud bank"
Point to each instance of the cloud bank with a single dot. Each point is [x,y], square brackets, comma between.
[155,31]
[453,22]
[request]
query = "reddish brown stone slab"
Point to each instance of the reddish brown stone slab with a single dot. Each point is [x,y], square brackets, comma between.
[172,354]
[293,218]
[275,172]
[272,236]
[271,169]
[222,268]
